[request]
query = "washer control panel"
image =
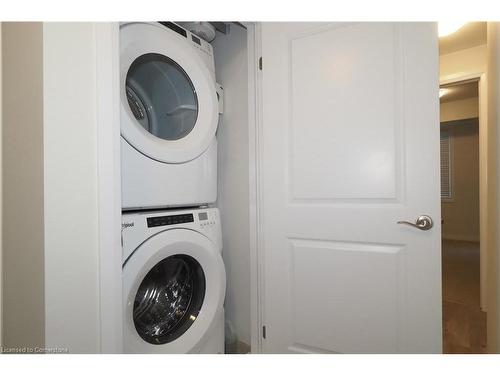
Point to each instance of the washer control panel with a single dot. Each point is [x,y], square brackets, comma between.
[159,221]
[138,227]
[205,220]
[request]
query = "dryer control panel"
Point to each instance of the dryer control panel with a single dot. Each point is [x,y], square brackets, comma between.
[202,47]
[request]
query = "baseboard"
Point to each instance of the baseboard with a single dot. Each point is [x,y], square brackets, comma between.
[458,237]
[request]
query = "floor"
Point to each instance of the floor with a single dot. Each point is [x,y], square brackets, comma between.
[464,324]
[238,347]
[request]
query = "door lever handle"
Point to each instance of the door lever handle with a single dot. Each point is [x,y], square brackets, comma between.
[423,222]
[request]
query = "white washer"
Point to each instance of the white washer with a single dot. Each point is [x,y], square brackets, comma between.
[174,282]
[169,117]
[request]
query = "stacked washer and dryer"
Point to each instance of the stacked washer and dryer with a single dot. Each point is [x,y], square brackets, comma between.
[173,276]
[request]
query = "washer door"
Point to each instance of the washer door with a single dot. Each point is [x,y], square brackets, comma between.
[168,98]
[174,287]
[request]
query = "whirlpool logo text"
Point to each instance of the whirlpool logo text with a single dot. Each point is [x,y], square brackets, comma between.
[127,225]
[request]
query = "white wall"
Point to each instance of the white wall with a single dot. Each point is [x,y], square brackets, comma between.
[233,168]
[459,109]
[22,178]
[463,62]
[71,209]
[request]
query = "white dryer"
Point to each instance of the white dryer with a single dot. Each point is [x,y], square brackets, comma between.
[173,282]
[169,117]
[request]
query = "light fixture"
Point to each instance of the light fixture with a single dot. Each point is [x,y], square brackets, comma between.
[446,28]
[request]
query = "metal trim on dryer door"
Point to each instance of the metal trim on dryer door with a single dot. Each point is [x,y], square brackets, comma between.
[140,40]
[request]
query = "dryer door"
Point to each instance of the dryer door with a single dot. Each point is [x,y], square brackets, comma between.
[174,287]
[169,109]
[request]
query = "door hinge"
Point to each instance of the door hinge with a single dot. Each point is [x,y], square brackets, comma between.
[260,63]
[263,332]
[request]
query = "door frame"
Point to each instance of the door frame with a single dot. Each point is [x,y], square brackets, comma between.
[480,77]
[109,186]
[254,52]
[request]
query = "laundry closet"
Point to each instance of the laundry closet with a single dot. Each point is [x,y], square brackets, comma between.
[185,187]
[85,226]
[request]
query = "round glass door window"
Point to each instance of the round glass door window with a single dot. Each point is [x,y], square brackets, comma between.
[161,96]
[169,299]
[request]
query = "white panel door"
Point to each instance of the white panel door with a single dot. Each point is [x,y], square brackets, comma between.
[349,147]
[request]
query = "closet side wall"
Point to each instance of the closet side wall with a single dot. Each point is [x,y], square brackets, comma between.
[231,68]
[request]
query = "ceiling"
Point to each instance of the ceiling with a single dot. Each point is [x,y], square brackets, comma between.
[470,35]
[459,91]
